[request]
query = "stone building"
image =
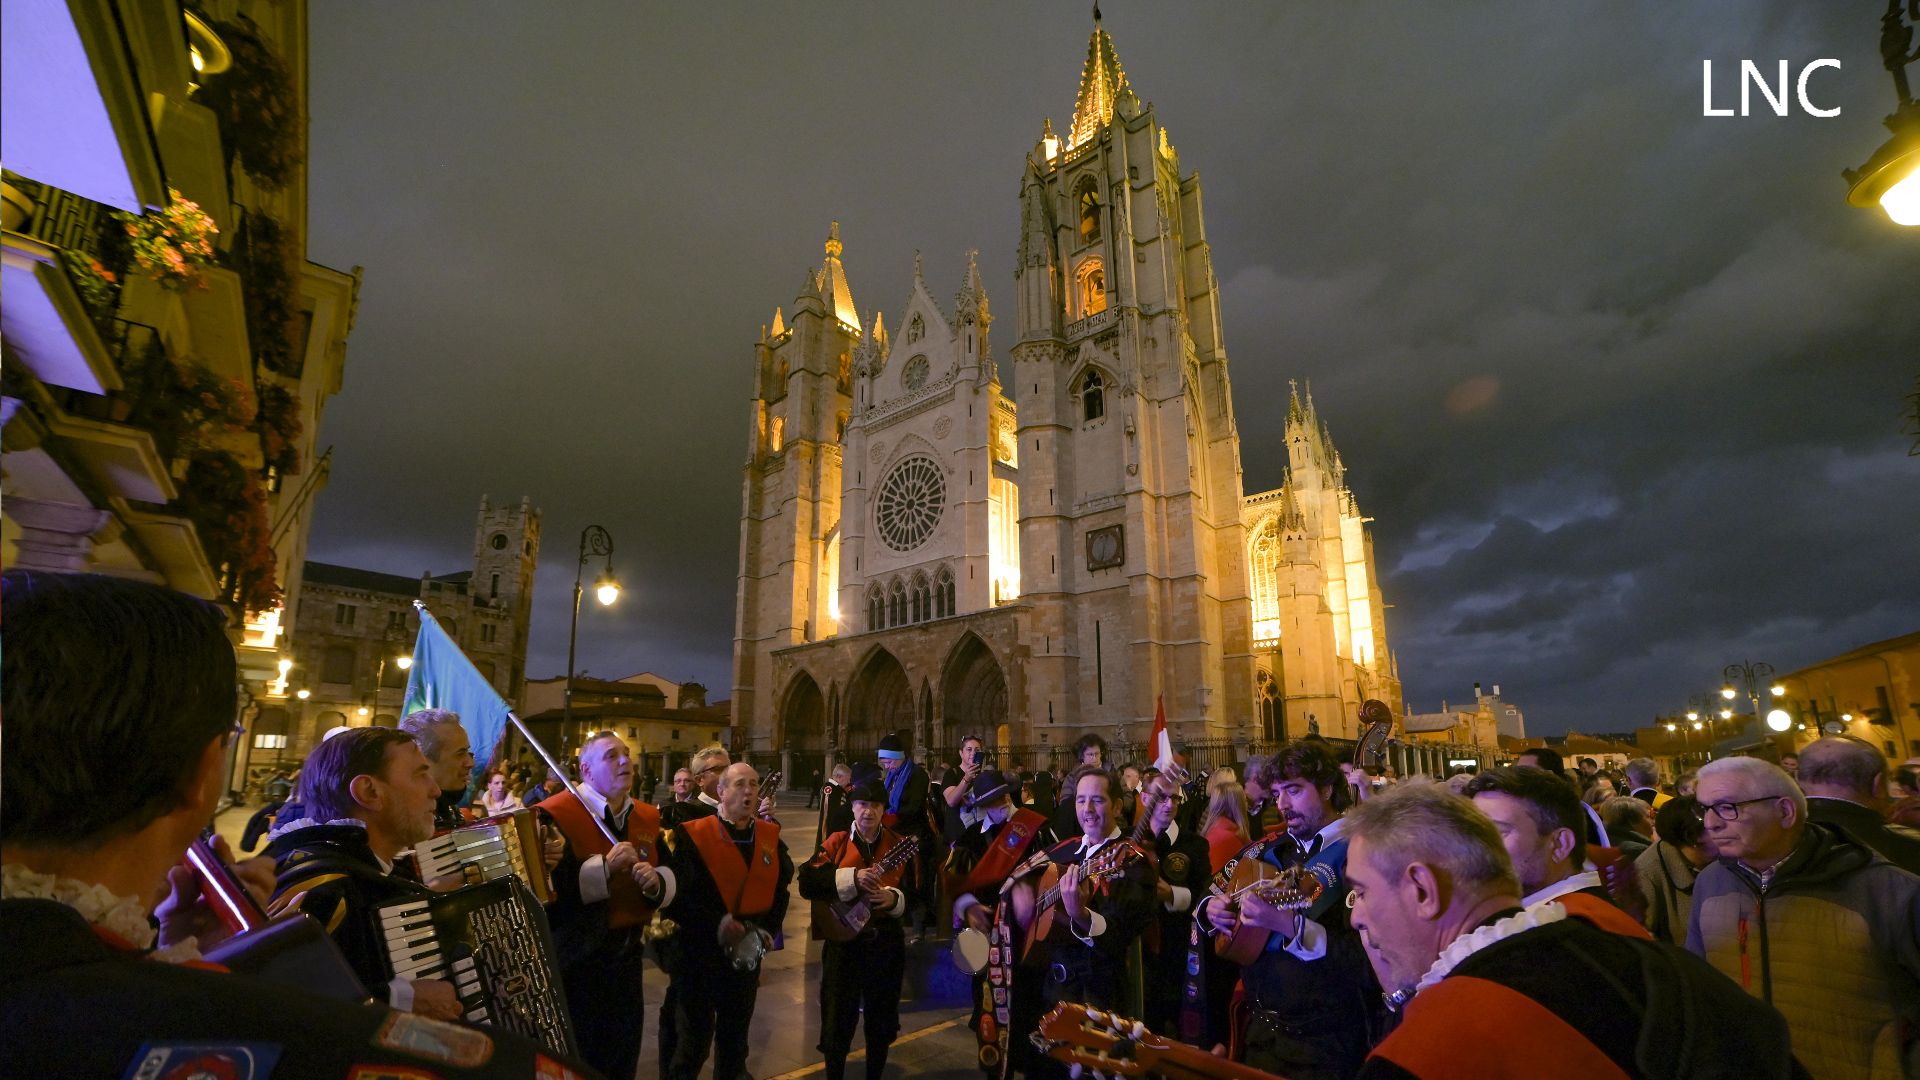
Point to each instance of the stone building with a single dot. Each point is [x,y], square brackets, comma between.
[663,721]
[353,633]
[920,555]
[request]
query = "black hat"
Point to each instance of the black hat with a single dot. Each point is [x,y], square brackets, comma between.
[988,786]
[863,773]
[891,746]
[870,791]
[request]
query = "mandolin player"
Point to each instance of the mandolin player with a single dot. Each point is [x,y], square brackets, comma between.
[861,974]
[1311,993]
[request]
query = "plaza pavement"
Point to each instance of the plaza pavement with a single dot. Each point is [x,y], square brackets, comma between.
[934,1042]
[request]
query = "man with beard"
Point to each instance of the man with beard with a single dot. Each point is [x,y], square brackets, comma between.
[728,875]
[369,794]
[604,893]
[450,754]
[1312,996]
[860,977]
[1540,823]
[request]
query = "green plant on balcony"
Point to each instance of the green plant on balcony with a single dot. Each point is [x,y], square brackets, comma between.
[259,111]
[173,245]
[270,293]
[228,507]
[99,287]
[185,406]
[278,422]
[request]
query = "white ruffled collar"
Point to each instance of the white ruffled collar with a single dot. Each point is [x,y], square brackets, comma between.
[279,831]
[123,916]
[1492,933]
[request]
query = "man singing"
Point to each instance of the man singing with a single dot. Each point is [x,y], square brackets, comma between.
[860,975]
[604,893]
[728,875]
[450,754]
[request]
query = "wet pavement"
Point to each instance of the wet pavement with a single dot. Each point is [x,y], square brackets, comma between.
[934,1041]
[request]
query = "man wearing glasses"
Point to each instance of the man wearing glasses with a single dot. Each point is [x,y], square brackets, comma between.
[1810,921]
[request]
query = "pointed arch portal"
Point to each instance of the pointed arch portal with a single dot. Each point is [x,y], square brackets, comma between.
[803,718]
[879,700]
[974,691]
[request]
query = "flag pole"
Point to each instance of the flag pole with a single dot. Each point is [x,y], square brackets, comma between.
[520,726]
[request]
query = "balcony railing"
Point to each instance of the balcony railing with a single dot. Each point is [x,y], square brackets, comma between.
[89,236]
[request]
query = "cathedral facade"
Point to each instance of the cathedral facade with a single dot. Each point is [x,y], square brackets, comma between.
[919,554]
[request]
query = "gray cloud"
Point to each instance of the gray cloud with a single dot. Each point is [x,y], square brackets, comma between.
[1619,382]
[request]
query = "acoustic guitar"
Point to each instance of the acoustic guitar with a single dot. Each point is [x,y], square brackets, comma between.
[1108,861]
[838,920]
[1293,888]
[1116,1046]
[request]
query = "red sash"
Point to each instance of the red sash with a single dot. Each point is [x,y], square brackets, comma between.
[1009,846]
[747,886]
[625,905]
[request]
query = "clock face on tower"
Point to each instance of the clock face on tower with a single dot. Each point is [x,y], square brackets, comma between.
[1105,548]
[911,500]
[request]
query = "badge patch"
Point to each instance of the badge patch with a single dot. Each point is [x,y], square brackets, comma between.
[1177,866]
[435,1040]
[213,1061]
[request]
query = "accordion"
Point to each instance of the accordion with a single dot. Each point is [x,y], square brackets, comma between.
[487,850]
[491,942]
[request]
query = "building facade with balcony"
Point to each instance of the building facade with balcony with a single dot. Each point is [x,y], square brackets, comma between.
[168,347]
[919,555]
[662,721]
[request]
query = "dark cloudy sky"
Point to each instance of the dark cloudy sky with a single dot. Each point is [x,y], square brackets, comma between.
[1620,383]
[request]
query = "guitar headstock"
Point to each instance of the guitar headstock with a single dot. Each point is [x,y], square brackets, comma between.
[1296,889]
[1098,1040]
[1110,859]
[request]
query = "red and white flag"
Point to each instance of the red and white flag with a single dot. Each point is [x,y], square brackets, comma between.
[1162,745]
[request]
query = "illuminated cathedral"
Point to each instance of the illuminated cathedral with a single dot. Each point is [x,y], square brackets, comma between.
[920,554]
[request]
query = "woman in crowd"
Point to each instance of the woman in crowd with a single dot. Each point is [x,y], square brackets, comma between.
[1225,825]
[497,799]
[1667,869]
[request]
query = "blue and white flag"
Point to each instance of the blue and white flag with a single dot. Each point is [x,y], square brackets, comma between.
[443,678]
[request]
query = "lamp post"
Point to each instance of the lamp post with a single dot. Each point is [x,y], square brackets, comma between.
[595,542]
[1751,676]
[401,661]
[1890,178]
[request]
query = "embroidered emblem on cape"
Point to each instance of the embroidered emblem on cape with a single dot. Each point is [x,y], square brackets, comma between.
[1176,865]
[435,1040]
[203,1061]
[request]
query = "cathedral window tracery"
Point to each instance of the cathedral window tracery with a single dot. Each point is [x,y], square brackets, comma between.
[911,501]
[1093,396]
[776,438]
[943,594]
[897,604]
[922,599]
[914,375]
[1263,578]
[876,609]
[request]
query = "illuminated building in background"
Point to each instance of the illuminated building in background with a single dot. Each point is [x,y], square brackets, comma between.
[920,555]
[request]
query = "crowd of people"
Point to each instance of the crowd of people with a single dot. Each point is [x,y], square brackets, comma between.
[1299,916]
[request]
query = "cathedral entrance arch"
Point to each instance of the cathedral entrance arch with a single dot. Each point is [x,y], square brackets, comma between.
[803,727]
[879,700]
[973,691]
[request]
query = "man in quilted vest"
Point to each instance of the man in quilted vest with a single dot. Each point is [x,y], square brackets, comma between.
[1815,924]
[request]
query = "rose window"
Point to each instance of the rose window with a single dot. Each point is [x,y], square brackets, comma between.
[911,500]
[915,375]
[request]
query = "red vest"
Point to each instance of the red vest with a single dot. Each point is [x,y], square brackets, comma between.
[625,905]
[746,887]
[842,853]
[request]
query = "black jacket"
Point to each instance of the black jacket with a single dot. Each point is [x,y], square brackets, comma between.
[1897,844]
[71,1005]
[1096,972]
[342,882]
[697,905]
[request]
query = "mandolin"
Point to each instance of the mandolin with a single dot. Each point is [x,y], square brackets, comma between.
[843,920]
[1116,1046]
[1294,888]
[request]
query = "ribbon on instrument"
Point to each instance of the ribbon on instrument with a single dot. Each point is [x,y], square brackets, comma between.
[1193,1003]
[996,993]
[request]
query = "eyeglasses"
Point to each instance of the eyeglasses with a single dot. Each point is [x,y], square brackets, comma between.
[1730,811]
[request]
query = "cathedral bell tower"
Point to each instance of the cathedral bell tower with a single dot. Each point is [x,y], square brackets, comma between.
[790,513]
[506,550]
[1131,541]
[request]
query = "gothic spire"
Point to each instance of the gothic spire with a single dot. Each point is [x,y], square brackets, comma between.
[779,324]
[833,283]
[1293,402]
[1101,82]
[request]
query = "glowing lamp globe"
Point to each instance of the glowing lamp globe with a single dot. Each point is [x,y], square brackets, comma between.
[403,662]
[1778,720]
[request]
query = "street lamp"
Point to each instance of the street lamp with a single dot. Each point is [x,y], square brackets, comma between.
[595,542]
[1779,719]
[403,661]
[1891,177]
[1751,677]
[303,693]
